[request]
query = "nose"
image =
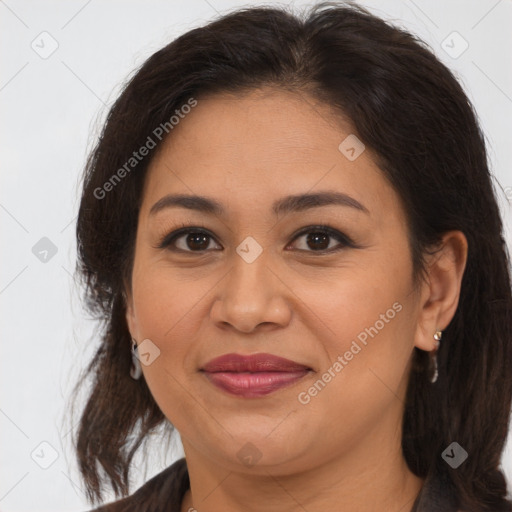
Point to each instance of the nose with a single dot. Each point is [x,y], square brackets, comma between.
[252,297]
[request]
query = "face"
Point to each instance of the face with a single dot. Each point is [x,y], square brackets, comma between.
[325,284]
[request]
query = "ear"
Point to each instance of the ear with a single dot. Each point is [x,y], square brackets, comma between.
[440,291]
[131,320]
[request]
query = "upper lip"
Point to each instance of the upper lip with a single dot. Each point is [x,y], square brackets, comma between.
[252,363]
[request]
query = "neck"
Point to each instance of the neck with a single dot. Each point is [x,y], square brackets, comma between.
[383,482]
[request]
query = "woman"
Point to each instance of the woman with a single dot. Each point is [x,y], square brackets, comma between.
[289,230]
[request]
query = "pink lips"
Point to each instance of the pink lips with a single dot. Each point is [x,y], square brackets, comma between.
[254,375]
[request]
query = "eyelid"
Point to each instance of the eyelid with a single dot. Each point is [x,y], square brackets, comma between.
[332,232]
[165,240]
[344,240]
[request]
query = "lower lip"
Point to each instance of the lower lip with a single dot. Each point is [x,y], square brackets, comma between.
[250,385]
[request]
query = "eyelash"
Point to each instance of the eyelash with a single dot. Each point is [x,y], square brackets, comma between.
[168,239]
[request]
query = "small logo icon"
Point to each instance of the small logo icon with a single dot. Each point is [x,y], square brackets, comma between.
[454,455]
[454,45]
[249,249]
[44,250]
[351,147]
[249,455]
[44,45]
[147,352]
[44,455]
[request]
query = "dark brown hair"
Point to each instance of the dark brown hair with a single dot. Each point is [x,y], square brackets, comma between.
[410,110]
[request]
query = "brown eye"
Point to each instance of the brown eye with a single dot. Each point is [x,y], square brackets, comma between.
[197,241]
[187,241]
[320,238]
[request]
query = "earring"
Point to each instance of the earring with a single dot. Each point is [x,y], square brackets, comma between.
[433,357]
[136,370]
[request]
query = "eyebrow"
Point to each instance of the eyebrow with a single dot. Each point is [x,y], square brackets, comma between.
[288,204]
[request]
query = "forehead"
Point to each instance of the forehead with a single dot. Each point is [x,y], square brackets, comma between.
[258,146]
[258,125]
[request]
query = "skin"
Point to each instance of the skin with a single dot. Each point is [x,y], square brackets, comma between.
[342,450]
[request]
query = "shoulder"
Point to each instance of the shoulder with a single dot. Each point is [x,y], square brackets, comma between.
[166,488]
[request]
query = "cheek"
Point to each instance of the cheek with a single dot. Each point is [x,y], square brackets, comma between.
[357,303]
[164,301]
[166,311]
[163,309]
[366,319]
[369,343]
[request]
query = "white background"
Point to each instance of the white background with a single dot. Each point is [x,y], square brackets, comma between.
[51,112]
